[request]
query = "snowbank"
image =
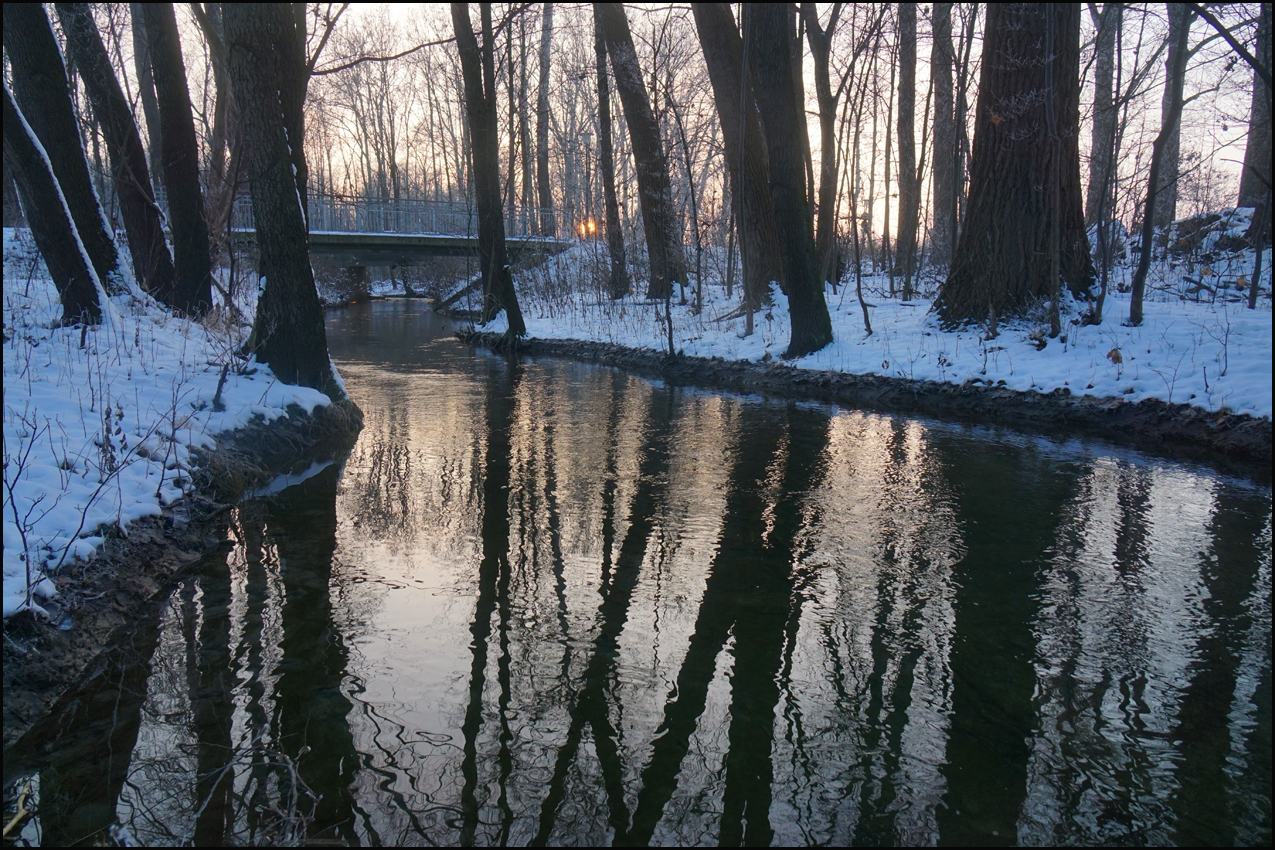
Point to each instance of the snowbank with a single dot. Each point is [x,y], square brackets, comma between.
[100,423]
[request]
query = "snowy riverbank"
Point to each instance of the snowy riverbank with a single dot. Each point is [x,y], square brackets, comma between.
[102,425]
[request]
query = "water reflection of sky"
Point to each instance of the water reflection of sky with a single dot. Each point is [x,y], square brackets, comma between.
[553,603]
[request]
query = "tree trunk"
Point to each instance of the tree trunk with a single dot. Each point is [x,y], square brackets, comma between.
[524,127]
[746,156]
[42,93]
[478,70]
[192,291]
[909,189]
[548,226]
[659,217]
[152,264]
[48,218]
[1256,177]
[288,334]
[941,61]
[771,31]
[820,41]
[619,284]
[1164,149]
[146,90]
[1166,205]
[1003,260]
[1105,114]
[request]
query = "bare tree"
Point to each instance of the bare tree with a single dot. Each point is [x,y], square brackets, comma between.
[909,185]
[1105,113]
[619,284]
[478,68]
[945,151]
[1255,180]
[1166,193]
[547,224]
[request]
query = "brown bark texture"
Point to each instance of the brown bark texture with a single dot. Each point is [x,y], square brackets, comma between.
[289,335]
[655,193]
[909,186]
[192,262]
[49,220]
[1166,203]
[941,61]
[746,157]
[1002,264]
[42,92]
[548,225]
[820,40]
[152,264]
[618,284]
[1255,179]
[146,91]
[478,70]
[1103,136]
[771,31]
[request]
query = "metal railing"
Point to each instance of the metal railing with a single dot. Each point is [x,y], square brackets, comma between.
[409,216]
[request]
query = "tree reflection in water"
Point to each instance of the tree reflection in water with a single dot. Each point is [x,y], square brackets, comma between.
[548,603]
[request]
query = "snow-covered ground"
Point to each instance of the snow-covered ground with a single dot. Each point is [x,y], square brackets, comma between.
[1213,353]
[99,423]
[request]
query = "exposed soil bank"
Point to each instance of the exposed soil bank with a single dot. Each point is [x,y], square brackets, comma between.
[101,600]
[1152,424]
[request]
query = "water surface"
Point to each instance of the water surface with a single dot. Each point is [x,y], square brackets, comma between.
[547,602]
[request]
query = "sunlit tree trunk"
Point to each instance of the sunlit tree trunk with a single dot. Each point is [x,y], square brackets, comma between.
[42,93]
[192,290]
[49,219]
[478,69]
[745,145]
[288,334]
[152,264]
[941,60]
[773,31]
[1003,262]
[659,217]
[619,284]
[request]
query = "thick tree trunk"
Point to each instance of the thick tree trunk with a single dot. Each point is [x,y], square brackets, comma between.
[1003,259]
[146,90]
[909,188]
[941,61]
[42,93]
[152,264]
[192,291]
[1255,179]
[1105,115]
[49,219]
[772,32]
[478,69]
[619,284]
[746,156]
[1166,204]
[659,216]
[1162,151]
[288,334]
[548,225]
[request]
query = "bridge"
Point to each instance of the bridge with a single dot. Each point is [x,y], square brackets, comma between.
[369,232]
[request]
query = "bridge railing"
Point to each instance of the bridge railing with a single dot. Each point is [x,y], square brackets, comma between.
[362,215]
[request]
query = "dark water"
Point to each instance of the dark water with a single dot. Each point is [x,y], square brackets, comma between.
[553,603]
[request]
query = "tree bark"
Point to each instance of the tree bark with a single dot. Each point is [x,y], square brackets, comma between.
[941,61]
[41,91]
[746,156]
[288,334]
[1166,205]
[1105,114]
[49,219]
[909,188]
[1003,259]
[192,262]
[152,264]
[619,284]
[659,216]
[146,91]
[1256,177]
[548,225]
[820,41]
[478,70]
[772,31]
[1162,151]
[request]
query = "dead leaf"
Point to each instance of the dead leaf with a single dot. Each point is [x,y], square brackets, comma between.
[1115,356]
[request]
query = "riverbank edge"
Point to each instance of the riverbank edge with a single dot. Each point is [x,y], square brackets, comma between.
[103,598]
[1150,424]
